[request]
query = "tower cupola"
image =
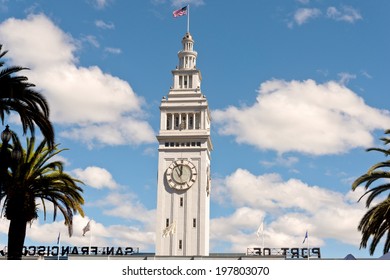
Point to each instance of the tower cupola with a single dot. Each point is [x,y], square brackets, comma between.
[187,56]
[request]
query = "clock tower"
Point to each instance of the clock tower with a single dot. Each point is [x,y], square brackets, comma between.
[183,180]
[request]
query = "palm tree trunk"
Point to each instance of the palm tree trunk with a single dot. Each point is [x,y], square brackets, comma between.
[16,236]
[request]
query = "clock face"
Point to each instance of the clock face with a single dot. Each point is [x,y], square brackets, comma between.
[181,174]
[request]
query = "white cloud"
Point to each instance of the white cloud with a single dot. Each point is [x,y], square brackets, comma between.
[113,50]
[61,158]
[181,3]
[113,235]
[78,96]
[281,161]
[347,14]
[239,229]
[127,130]
[366,74]
[290,207]
[303,15]
[303,116]
[100,4]
[91,40]
[133,209]
[137,226]
[95,177]
[104,25]
[272,193]
[346,77]
[32,41]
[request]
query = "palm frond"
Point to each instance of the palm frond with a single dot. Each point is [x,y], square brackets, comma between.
[375,224]
[45,180]
[18,95]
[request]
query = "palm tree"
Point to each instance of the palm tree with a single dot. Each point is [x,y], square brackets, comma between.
[376,222]
[16,94]
[32,181]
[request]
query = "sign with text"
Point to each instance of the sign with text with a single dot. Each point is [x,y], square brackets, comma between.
[291,253]
[70,250]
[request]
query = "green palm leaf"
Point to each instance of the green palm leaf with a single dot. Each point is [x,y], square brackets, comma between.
[35,180]
[17,95]
[375,224]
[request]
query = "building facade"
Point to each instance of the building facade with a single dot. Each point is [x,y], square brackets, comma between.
[183,181]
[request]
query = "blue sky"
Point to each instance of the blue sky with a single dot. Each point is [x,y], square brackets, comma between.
[297,89]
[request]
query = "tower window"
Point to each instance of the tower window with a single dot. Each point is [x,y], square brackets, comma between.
[190,81]
[181,202]
[197,121]
[169,124]
[194,223]
[177,121]
[191,122]
[180,81]
[183,124]
[167,223]
[180,244]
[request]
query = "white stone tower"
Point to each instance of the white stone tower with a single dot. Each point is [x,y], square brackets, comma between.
[183,190]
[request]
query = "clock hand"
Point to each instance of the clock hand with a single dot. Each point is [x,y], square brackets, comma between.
[177,172]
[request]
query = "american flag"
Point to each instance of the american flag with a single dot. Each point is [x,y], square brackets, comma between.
[180,12]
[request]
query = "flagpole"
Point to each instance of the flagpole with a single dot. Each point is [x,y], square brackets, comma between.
[59,245]
[262,236]
[90,241]
[188,18]
[85,230]
[308,247]
[261,230]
